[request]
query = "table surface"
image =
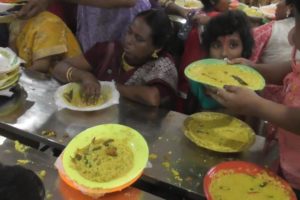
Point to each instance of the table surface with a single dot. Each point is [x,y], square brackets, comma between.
[180,164]
[55,187]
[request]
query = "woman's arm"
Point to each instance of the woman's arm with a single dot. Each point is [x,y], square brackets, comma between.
[105,3]
[42,65]
[245,101]
[32,8]
[77,69]
[79,64]
[273,73]
[148,95]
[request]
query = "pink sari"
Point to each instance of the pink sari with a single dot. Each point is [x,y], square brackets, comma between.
[289,143]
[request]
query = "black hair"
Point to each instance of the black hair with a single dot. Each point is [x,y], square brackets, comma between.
[228,23]
[160,25]
[296,3]
[19,183]
[209,5]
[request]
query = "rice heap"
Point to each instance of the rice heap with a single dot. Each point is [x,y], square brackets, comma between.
[103,160]
[72,96]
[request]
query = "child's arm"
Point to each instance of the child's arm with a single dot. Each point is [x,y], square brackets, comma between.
[245,101]
[273,73]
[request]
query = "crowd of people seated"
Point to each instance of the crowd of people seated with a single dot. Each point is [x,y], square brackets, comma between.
[131,42]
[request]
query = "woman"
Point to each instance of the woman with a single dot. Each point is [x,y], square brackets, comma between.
[285,114]
[42,41]
[144,72]
[106,21]
[273,35]
[227,35]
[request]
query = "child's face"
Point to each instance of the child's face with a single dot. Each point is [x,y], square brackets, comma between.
[229,46]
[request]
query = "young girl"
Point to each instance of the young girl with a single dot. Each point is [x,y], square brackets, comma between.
[285,115]
[225,36]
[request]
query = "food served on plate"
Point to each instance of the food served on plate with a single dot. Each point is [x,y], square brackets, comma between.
[103,159]
[73,96]
[218,132]
[229,185]
[189,3]
[218,73]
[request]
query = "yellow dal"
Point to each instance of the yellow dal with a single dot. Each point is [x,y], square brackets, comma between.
[218,132]
[235,186]
[219,75]
[103,160]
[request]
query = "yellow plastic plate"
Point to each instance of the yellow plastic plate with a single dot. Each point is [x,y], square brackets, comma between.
[9,82]
[218,132]
[9,61]
[190,4]
[218,73]
[4,77]
[135,140]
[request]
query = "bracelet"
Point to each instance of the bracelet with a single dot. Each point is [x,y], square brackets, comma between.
[69,74]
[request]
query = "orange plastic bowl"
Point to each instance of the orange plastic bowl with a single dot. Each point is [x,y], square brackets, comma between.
[242,167]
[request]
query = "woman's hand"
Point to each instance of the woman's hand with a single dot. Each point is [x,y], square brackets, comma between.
[242,61]
[90,88]
[32,8]
[240,100]
[201,19]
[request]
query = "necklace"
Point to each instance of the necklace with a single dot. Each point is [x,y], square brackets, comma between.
[125,65]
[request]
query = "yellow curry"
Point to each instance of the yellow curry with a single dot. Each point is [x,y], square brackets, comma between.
[219,75]
[227,185]
[218,132]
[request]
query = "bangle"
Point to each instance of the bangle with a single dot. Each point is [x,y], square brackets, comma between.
[69,74]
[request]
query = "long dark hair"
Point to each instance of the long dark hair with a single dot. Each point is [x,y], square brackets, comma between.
[228,23]
[160,25]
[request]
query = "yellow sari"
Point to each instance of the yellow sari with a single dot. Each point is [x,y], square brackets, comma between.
[42,36]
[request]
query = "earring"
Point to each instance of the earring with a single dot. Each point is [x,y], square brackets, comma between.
[288,13]
[154,54]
